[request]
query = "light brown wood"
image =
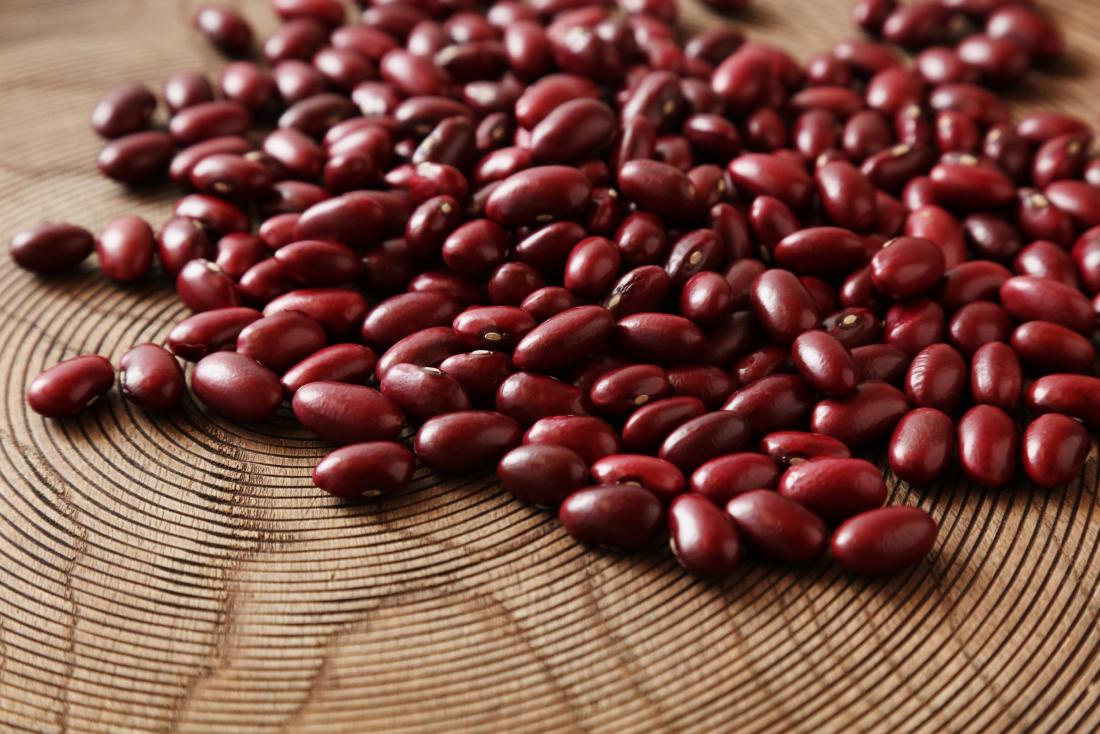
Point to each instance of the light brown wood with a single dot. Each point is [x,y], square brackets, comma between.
[180,573]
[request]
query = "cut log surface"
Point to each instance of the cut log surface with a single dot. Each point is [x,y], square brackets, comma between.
[179,573]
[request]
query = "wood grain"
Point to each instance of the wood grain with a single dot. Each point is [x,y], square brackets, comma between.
[181,574]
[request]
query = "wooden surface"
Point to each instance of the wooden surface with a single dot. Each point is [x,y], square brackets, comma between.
[180,573]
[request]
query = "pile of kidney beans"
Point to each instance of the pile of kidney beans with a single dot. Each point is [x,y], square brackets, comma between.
[657,284]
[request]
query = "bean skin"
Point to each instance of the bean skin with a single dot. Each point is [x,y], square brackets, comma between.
[825,363]
[866,416]
[343,414]
[1077,396]
[151,378]
[466,441]
[1054,450]
[564,339]
[69,387]
[423,392]
[351,363]
[787,448]
[372,469]
[989,445]
[237,387]
[884,541]
[777,528]
[726,477]
[51,248]
[703,538]
[834,489]
[660,477]
[591,438]
[995,376]
[936,378]
[618,516]
[542,474]
[922,445]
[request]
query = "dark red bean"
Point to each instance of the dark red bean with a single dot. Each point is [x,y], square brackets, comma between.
[863,418]
[657,475]
[51,248]
[297,39]
[776,527]
[703,538]
[641,290]
[995,376]
[591,267]
[352,220]
[217,217]
[648,426]
[543,475]
[529,397]
[1029,298]
[1077,396]
[209,120]
[202,286]
[907,267]
[853,327]
[564,339]
[787,448]
[978,280]
[1045,347]
[712,385]
[847,195]
[825,363]
[351,363]
[339,310]
[884,541]
[319,263]
[591,438]
[936,378]
[512,282]
[1054,450]
[423,392]
[725,477]
[825,251]
[1077,199]
[706,437]
[922,445]
[249,84]
[466,441]
[621,517]
[939,227]
[281,340]
[539,195]
[238,253]
[427,348]
[225,28]
[136,157]
[660,338]
[481,373]
[769,175]
[621,391]
[1045,259]
[69,387]
[881,362]
[659,188]
[185,161]
[237,387]
[989,445]
[913,325]
[206,333]
[151,378]
[264,282]
[834,489]
[783,306]
[342,414]
[979,323]
[296,80]
[123,110]
[372,469]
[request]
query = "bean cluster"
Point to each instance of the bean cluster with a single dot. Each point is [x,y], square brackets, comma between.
[657,285]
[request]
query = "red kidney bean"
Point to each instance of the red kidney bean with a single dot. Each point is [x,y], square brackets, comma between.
[741,80]
[769,175]
[481,373]
[427,347]
[217,217]
[249,84]
[1029,298]
[988,445]
[914,325]
[281,340]
[864,417]
[1054,450]
[1086,256]
[1077,396]
[296,152]
[296,80]
[884,541]
[648,426]
[209,120]
[621,517]
[137,157]
[979,323]
[564,339]
[762,363]
[319,263]
[231,176]
[936,378]
[834,489]
[466,441]
[529,397]
[776,527]
[51,248]
[151,378]
[264,282]
[539,195]
[350,363]
[372,469]
[847,195]
[783,306]
[297,39]
[493,327]
[591,438]
[1077,199]
[399,316]
[1005,147]
[337,309]
[622,390]
[70,386]
[315,115]
[591,267]
[202,286]
[815,131]
[123,110]
[342,414]
[660,338]
[787,448]
[1039,127]
[971,186]
[238,253]
[741,276]
[826,251]
[660,477]
[706,437]
[236,386]
[853,327]
[766,130]
[725,477]
[941,65]
[995,376]
[185,160]
[881,362]
[1045,259]
[889,169]
[659,188]
[695,251]
[225,28]
[825,363]
[542,474]
[1041,38]
[1000,60]
[907,267]
[991,237]
[423,392]
[1045,347]
[208,332]
[574,130]
[866,134]
[712,385]
[547,302]
[705,299]
[355,221]
[938,226]
[978,280]
[703,538]
[922,445]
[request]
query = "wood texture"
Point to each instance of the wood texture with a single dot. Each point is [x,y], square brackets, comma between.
[181,574]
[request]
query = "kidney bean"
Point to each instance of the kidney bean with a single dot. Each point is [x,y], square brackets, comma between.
[1041,38]
[296,80]
[782,305]
[236,386]
[847,195]
[703,438]
[337,309]
[423,392]
[238,252]
[564,339]
[832,488]
[705,298]
[862,418]
[1077,396]
[299,38]
[941,65]
[1045,347]
[936,378]
[762,363]
[826,251]
[971,186]
[231,176]
[741,275]
[703,539]
[825,363]
[787,448]
[264,282]
[209,120]
[355,221]
[659,188]
[889,169]
[538,195]
[547,302]
[995,376]
[466,441]
[815,131]
[1086,256]
[136,157]
[295,152]
[123,110]
[907,267]
[1045,259]
[622,390]
[725,477]
[481,372]
[70,386]
[591,438]
[1029,298]
[350,363]
[217,217]
[249,84]
[372,469]
[884,541]
[427,348]
[529,397]
[773,403]
[225,28]
[281,340]
[772,221]
[710,384]
[881,362]
[206,333]
[660,338]
[978,280]
[201,286]
[51,248]
[1055,448]
[1077,199]
[151,378]
[657,475]
[542,474]
[493,327]
[574,130]
[591,267]
[621,517]
[769,175]
[979,323]
[319,263]
[342,414]
[648,426]
[939,227]
[853,327]
[776,527]
[988,445]
[184,162]
[866,134]
[922,445]
[914,325]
